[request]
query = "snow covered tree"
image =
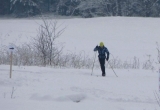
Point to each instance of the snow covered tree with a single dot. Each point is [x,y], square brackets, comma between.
[4,7]
[84,8]
[91,8]
[155,8]
[24,7]
[67,7]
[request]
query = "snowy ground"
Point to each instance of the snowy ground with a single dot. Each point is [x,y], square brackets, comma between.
[124,37]
[40,88]
[46,88]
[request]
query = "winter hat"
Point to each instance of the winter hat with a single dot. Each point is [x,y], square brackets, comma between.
[101,44]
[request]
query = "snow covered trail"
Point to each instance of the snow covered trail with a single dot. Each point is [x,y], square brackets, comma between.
[45,88]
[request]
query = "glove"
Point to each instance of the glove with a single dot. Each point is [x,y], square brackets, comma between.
[107,58]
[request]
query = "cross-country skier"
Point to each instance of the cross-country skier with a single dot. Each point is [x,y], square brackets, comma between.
[102,50]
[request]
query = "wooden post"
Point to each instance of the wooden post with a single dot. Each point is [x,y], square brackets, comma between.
[11,64]
[11,50]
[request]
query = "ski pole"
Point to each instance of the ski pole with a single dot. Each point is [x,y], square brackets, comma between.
[93,63]
[112,69]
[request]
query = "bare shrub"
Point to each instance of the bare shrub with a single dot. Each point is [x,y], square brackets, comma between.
[2,51]
[24,55]
[3,56]
[29,55]
[74,60]
[157,97]
[117,63]
[44,43]
[43,51]
[148,64]
[135,63]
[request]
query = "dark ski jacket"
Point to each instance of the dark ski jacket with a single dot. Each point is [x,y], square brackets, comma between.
[102,51]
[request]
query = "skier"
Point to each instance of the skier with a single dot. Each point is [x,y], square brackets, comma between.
[102,50]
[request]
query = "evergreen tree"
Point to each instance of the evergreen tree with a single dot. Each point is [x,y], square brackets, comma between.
[84,8]
[24,7]
[5,7]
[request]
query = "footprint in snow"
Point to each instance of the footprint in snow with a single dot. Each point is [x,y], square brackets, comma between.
[74,98]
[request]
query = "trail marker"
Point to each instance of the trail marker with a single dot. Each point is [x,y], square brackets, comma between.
[11,57]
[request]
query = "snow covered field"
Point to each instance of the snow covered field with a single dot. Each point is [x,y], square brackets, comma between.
[46,88]
[39,88]
[124,37]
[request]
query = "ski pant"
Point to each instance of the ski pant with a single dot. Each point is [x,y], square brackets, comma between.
[102,64]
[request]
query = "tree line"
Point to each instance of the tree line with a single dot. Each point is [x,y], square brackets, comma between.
[84,8]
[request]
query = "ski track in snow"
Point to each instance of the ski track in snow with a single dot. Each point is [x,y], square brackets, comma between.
[105,95]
